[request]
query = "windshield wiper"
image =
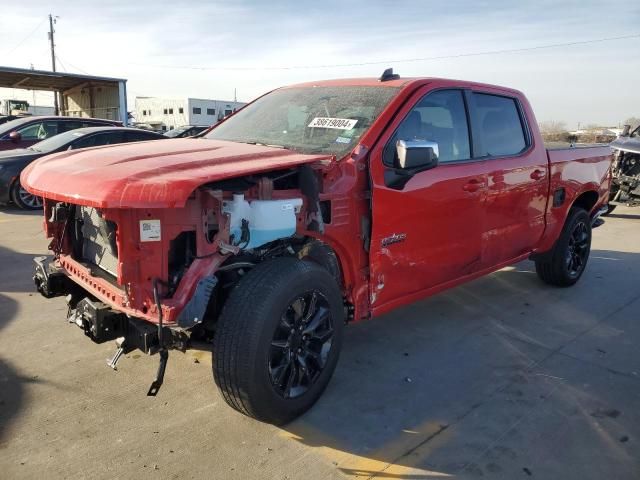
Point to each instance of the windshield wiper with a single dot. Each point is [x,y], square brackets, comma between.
[267,145]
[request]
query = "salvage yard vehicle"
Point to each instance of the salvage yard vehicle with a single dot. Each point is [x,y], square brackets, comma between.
[315,205]
[25,131]
[12,162]
[625,171]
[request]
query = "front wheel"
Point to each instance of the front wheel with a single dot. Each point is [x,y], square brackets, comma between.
[24,199]
[564,264]
[278,339]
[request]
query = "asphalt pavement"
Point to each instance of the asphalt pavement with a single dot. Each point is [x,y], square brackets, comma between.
[504,377]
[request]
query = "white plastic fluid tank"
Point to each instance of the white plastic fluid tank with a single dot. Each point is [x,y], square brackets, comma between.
[268,220]
[272,219]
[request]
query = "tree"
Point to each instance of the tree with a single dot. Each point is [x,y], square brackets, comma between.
[552,127]
[633,121]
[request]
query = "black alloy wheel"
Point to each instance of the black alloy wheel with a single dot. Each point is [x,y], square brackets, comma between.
[278,339]
[565,263]
[578,250]
[301,345]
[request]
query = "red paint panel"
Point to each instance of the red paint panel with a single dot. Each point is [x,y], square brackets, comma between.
[158,174]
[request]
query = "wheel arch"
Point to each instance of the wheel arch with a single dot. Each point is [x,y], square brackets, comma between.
[324,255]
[586,200]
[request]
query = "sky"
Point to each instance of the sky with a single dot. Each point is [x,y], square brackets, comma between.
[207,49]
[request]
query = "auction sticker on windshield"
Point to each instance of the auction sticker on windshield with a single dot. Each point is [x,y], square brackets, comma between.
[339,123]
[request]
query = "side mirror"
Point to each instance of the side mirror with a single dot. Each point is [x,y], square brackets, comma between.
[625,131]
[15,137]
[417,154]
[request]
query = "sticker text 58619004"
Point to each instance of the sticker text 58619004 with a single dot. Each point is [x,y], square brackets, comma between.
[327,122]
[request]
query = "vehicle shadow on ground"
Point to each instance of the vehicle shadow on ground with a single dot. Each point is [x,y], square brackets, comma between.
[407,380]
[622,215]
[13,210]
[13,267]
[12,391]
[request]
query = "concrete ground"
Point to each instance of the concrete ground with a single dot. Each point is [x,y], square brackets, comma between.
[502,378]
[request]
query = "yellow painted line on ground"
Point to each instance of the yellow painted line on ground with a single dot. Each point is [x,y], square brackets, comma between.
[405,447]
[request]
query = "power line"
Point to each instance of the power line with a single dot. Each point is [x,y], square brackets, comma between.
[25,38]
[404,60]
[72,65]
[61,63]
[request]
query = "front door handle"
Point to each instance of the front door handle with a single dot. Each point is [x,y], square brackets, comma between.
[538,174]
[473,185]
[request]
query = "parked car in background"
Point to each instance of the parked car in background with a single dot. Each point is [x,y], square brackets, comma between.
[25,131]
[12,162]
[186,131]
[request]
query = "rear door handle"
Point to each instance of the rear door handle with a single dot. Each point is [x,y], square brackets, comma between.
[473,185]
[538,174]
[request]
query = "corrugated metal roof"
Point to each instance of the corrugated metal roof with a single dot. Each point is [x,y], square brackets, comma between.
[44,80]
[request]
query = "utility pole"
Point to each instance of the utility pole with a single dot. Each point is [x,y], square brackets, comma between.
[33,92]
[53,62]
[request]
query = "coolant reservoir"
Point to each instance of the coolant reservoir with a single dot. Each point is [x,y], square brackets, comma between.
[268,220]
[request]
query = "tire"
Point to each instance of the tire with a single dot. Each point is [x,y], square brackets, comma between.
[23,199]
[254,340]
[565,263]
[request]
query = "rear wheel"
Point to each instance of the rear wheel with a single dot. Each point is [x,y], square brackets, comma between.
[24,199]
[278,339]
[564,264]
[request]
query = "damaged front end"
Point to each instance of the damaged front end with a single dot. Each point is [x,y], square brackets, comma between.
[625,170]
[156,279]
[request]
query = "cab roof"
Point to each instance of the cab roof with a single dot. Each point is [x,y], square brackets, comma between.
[402,83]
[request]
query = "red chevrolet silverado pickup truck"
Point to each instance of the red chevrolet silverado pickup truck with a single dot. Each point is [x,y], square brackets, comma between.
[313,206]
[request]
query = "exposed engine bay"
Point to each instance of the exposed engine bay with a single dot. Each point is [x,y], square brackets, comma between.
[176,266]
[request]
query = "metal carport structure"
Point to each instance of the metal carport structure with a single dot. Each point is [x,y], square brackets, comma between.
[78,95]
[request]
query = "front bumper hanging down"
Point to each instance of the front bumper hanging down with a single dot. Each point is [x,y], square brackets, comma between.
[102,323]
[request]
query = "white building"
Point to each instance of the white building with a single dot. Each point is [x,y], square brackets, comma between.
[166,114]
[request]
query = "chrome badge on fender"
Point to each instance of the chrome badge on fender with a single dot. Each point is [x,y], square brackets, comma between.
[395,238]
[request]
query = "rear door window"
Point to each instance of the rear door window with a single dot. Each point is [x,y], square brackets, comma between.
[66,125]
[109,138]
[85,142]
[138,136]
[501,126]
[97,139]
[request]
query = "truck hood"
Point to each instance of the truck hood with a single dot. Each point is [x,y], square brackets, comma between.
[157,174]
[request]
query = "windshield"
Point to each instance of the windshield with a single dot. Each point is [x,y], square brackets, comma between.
[176,131]
[308,119]
[57,141]
[12,125]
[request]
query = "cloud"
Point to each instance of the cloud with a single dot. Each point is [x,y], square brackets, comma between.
[146,42]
